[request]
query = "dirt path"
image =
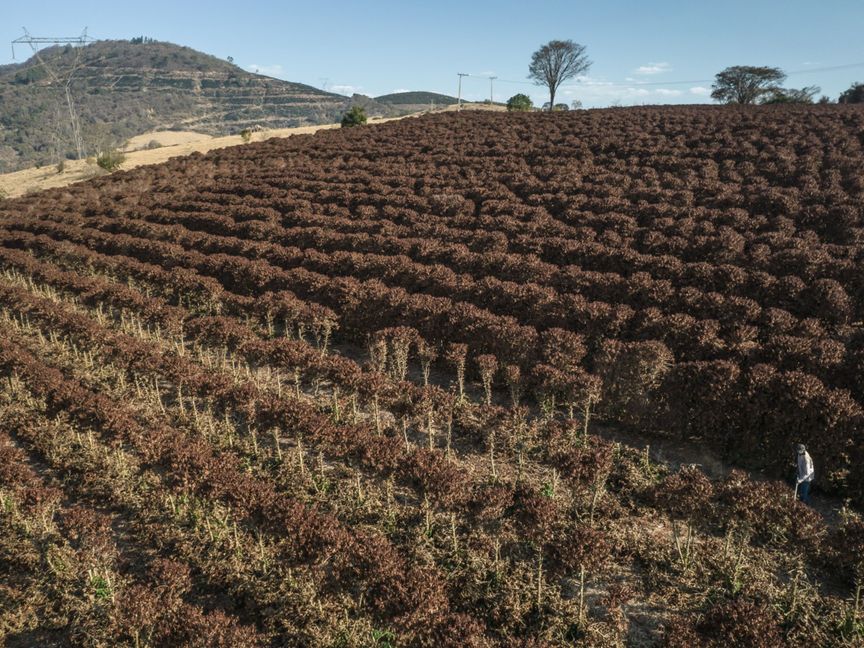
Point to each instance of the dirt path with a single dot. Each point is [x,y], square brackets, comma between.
[676,453]
[673,453]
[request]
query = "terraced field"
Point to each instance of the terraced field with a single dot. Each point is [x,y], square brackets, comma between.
[342,390]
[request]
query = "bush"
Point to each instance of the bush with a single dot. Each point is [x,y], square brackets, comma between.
[354,117]
[153,144]
[520,102]
[792,95]
[110,160]
[246,135]
[855,94]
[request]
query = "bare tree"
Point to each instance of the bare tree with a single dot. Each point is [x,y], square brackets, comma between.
[555,62]
[745,84]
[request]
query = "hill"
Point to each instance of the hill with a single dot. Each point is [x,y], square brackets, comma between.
[471,379]
[126,88]
[152,147]
[416,99]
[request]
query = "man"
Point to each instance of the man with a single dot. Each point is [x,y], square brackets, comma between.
[805,473]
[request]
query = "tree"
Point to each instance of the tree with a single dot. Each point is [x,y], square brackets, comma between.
[354,117]
[745,84]
[555,62]
[110,159]
[855,94]
[792,95]
[519,102]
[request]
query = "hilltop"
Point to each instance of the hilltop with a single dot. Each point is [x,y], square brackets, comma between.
[126,88]
[414,101]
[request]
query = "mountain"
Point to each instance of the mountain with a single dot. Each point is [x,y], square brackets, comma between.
[413,101]
[125,88]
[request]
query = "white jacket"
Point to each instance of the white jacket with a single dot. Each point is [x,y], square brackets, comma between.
[805,468]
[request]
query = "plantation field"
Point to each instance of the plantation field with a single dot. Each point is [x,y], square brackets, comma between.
[351,389]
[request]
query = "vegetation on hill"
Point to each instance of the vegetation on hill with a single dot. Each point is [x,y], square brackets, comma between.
[342,390]
[354,117]
[417,98]
[126,88]
[855,94]
[519,102]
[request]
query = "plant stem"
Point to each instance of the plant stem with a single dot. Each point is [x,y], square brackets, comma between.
[539,575]
[453,531]
[688,545]
[586,418]
[581,593]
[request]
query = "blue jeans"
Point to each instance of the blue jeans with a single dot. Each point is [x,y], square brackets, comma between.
[804,492]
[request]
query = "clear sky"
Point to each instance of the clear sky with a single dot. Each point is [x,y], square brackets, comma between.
[666,51]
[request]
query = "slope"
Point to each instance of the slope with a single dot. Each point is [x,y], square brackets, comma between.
[126,88]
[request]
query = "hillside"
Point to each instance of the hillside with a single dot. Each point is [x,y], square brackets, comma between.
[417,385]
[152,147]
[414,101]
[123,89]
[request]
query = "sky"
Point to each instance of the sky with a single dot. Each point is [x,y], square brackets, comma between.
[665,51]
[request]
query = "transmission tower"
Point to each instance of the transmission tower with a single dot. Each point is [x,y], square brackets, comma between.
[57,76]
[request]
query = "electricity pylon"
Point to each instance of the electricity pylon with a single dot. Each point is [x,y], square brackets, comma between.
[57,76]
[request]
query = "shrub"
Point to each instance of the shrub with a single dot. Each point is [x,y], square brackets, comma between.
[153,144]
[519,102]
[246,135]
[110,159]
[855,94]
[354,117]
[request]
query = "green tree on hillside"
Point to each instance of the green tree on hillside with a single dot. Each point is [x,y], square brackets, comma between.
[110,159]
[792,95]
[746,84]
[855,94]
[354,117]
[519,102]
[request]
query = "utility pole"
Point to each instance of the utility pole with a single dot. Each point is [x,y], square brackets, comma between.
[459,97]
[35,42]
[491,93]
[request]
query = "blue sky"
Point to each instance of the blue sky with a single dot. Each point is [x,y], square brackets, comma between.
[641,50]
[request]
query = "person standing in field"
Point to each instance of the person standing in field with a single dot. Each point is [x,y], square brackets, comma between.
[805,473]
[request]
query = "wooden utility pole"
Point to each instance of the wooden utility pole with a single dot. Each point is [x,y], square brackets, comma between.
[459,97]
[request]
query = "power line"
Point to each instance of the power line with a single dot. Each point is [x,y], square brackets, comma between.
[603,84]
[35,43]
